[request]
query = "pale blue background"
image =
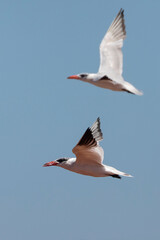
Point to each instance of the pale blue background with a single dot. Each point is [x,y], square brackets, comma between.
[43,115]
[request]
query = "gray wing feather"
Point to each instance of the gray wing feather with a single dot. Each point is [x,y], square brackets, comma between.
[92,135]
[88,149]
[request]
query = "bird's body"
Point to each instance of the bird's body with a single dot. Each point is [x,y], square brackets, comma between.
[94,169]
[109,75]
[89,156]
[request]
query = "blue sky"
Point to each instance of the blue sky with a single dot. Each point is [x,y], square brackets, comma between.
[43,115]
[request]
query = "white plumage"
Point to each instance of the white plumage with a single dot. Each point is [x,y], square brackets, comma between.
[111,60]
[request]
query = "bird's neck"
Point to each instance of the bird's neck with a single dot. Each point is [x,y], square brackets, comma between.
[68,164]
[92,76]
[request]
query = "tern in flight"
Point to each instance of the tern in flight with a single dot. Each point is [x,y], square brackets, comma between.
[89,156]
[111,60]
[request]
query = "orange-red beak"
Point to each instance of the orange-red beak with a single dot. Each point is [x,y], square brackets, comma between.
[74,77]
[52,163]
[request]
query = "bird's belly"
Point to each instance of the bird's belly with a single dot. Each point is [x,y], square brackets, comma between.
[109,84]
[89,170]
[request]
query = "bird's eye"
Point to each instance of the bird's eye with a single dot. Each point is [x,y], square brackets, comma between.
[83,75]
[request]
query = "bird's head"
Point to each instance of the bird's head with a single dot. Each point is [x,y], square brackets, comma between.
[58,162]
[81,76]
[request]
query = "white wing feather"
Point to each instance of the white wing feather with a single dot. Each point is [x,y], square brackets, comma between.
[111,57]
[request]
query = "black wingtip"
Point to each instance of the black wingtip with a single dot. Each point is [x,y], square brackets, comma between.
[96,130]
[116,176]
[92,135]
[121,10]
[98,120]
[121,13]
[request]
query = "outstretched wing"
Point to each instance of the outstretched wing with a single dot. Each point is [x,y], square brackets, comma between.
[111,57]
[88,150]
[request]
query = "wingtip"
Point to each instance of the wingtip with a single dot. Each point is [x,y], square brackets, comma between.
[122,10]
[96,130]
[116,176]
[98,120]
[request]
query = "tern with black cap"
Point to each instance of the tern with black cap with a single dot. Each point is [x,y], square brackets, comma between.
[89,156]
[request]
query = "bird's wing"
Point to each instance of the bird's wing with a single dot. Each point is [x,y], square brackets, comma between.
[111,57]
[88,150]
